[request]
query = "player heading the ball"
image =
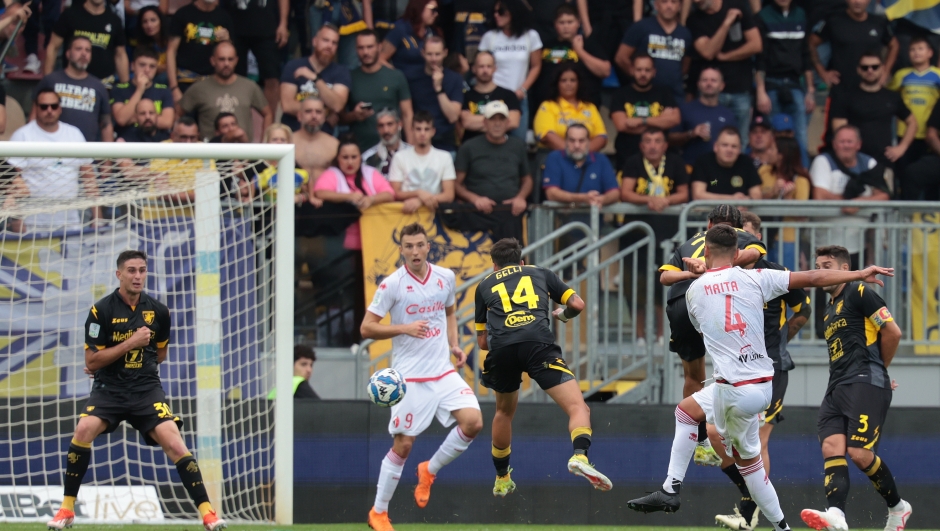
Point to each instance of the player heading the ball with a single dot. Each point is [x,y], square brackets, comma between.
[126,337]
[513,318]
[421,298]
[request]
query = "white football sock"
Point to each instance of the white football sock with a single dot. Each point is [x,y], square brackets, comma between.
[389,475]
[454,445]
[683,448]
[762,490]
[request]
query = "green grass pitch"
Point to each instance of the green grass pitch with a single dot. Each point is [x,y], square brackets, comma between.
[364,527]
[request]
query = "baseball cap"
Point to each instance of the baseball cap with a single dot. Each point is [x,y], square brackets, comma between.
[781,122]
[495,107]
[760,120]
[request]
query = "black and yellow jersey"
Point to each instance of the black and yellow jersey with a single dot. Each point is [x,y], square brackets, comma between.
[110,322]
[852,322]
[513,305]
[694,247]
[775,320]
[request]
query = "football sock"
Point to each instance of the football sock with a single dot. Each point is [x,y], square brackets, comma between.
[837,482]
[781,525]
[76,464]
[762,491]
[454,445]
[501,460]
[191,477]
[205,508]
[581,440]
[747,504]
[702,431]
[389,475]
[883,481]
[683,448]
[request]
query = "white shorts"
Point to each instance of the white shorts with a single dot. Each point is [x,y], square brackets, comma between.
[425,400]
[735,412]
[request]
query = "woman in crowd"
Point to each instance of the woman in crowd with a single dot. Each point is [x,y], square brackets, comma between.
[402,46]
[568,105]
[786,178]
[517,49]
[266,171]
[152,31]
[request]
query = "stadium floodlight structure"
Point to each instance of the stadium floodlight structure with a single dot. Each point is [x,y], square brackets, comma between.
[213,253]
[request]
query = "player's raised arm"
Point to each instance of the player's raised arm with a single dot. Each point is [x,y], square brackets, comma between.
[819,278]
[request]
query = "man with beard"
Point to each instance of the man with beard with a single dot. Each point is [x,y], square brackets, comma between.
[485,91]
[390,143]
[314,150]
[146,129]
[225,91]
[702,118]
[317,75]
[84,98]
[423,175]
[375,87]
[126,96]
[439,91]
[641,105]
[104,29]
[667,41]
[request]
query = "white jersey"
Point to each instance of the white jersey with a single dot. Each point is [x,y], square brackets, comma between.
[727,306]
[408,299]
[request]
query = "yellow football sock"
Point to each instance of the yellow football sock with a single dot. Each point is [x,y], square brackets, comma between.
[205,508]
[68,502]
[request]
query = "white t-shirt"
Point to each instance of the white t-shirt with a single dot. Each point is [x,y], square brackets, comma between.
[422,172]
[825,174]
[55,179]
[727,306]
[408,299]
[512,56]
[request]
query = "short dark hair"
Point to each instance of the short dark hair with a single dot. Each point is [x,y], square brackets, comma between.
[146,51]
[641,54]
[839,253]
[507,251]
[566,9]
[871,53]
[578,126]
[652,130]
[412,230]
[752,218]
[367,33]
[726,215]
[729,130]
[483,52]
[186,120]
[77,38]
[303,351]
[130,254]
[433,38]
[423,116]
[220,116]
[721,240]
[919,39]
[47,90]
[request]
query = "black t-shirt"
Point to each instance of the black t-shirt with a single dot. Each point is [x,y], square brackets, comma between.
[636,104]
[740,177]
[197,32]
[850,39]
[852,320]
[556,53]
[673,175]
[474,102]
[111,322]
[694,247]
[872,113]
[775,320]
[514,305]
[105,31]
[739,75]
[134,134]
[255,18]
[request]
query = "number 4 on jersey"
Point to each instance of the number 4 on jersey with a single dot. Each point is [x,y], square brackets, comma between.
[733,321]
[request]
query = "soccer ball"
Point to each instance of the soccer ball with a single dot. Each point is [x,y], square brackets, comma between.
[386,388]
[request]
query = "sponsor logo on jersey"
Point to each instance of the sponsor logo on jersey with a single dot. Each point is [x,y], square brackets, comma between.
[116,320]
[94,329]
[839,307]
[881,317]
[520,318]
[834,327]
[416,309]
[737,181]
[148,316]
[134,359]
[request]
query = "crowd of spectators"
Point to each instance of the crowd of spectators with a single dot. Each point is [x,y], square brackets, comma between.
[490,105]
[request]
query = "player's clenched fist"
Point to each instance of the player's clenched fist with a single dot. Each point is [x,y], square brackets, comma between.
[418,329]
[140,339]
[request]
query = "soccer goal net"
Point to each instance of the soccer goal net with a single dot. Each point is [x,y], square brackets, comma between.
[220,257]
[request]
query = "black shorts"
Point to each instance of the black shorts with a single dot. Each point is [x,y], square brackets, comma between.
[772,413]
[503,367]
[684,339]
[266,52]
[142,411]
[857,411]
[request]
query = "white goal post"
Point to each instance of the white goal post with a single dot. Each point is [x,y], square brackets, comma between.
[213,420]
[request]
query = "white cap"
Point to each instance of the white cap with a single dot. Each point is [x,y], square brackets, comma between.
[495,107]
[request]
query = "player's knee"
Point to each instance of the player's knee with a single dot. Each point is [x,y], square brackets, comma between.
[473,426]
[831,447]
[402,446]
[861,457]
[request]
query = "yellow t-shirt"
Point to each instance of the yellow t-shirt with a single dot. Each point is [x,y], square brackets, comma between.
[180,173]
[920,92]
[556,116]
